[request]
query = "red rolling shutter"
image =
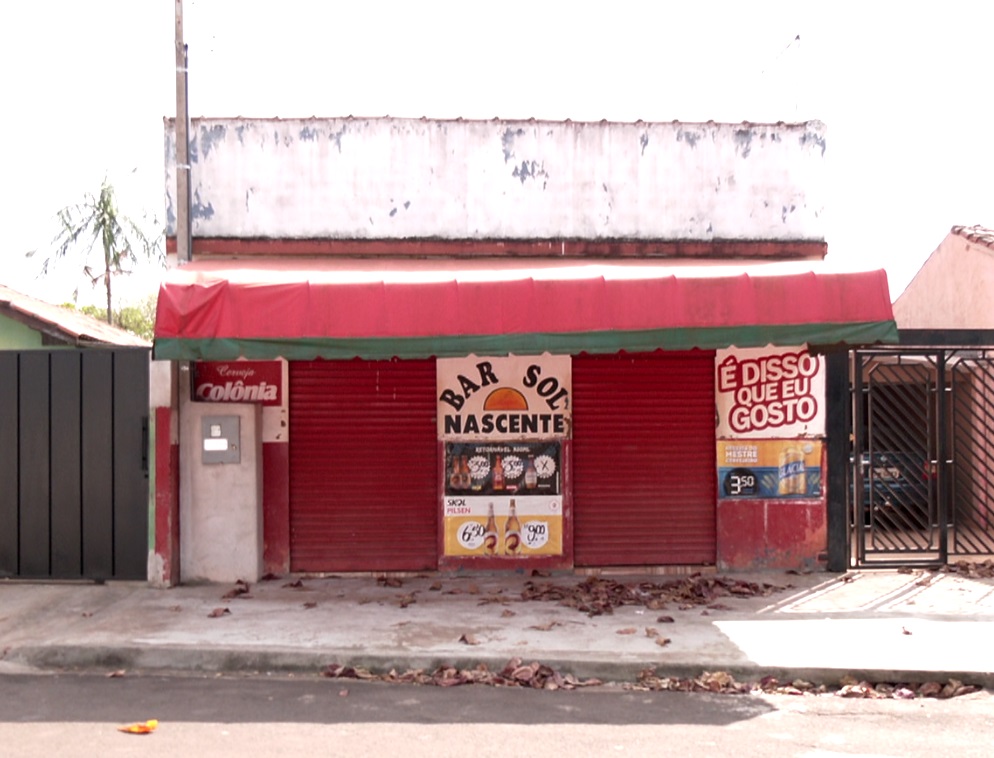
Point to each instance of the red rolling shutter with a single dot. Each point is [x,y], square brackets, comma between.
[644,481]
[363,466]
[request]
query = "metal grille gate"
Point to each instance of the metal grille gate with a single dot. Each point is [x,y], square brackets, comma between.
[923,455]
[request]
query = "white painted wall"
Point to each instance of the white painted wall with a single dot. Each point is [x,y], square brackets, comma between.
[221,503]
[161,384]
[415,178]
[276,419]
[953,289]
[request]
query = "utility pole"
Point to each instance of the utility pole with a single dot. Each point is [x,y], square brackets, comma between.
[184,240]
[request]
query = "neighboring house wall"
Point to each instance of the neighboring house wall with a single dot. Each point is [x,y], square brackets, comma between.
[54,325]
[365,179]
[953,288]
[17,336]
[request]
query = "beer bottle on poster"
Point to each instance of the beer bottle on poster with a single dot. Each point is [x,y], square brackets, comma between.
[455,474]
[465,479]
[512,532]
[497,479]
[490,533]
[531,475]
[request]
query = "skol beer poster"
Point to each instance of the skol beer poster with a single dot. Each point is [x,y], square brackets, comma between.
[769,469]
[769,392]
[503,500]
[502,420]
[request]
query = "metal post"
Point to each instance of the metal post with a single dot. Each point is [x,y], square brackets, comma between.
[184,241]
[838,402]
[944,469]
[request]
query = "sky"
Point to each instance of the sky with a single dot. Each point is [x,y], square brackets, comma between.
[904,89]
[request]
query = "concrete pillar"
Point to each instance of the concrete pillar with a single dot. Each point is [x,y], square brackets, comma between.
[221,537]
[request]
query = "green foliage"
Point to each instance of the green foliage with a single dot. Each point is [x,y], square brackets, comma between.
[122,241]
[138,319]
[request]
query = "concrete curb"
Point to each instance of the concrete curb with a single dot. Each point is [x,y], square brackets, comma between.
[164,659]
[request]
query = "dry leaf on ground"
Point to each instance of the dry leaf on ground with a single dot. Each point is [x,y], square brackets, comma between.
[240,588]
[548,627]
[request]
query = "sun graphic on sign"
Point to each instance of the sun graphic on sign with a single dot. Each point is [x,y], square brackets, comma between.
[505,399]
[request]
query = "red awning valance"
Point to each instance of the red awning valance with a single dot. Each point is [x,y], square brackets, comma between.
[408,308]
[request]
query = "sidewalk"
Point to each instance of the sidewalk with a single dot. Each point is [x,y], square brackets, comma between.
[882,626]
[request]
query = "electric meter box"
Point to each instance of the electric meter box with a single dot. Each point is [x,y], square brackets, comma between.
[220,439]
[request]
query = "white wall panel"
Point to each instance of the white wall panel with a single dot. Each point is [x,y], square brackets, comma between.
[416,178]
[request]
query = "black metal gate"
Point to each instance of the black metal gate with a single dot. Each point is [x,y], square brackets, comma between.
[923,455]
[74,463]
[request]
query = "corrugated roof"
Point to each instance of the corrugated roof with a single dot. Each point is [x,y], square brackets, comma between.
[63,324]
[979,234]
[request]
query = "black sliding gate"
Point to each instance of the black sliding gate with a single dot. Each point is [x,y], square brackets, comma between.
[923,455]
[74,463]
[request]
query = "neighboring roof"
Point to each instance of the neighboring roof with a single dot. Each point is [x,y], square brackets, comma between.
[63,325]
[952,289]
[978,234]
[373,309]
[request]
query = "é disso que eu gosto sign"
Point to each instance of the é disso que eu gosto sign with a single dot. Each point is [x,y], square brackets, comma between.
[770,392]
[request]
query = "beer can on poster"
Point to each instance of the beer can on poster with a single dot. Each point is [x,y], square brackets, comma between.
[791,476]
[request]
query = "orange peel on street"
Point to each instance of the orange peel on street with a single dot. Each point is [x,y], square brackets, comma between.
[140,727]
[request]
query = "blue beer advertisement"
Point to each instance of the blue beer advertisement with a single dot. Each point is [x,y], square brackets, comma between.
[769,469]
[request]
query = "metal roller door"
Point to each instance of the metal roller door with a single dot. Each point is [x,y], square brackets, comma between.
[644,481]
[363,466]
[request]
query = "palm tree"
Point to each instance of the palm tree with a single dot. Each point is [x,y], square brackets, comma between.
[97,218]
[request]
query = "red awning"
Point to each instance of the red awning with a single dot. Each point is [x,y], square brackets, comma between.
[305,308]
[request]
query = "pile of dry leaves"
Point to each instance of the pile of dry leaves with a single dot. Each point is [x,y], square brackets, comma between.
[724,683]
[539,676]
[595,595]
[515,674]
[975,569]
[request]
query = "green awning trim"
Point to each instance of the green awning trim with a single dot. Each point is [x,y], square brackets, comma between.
[532,343]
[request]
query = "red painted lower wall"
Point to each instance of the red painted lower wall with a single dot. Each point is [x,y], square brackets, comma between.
[771,534]
[276,507]
[751,534]
[166,569]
